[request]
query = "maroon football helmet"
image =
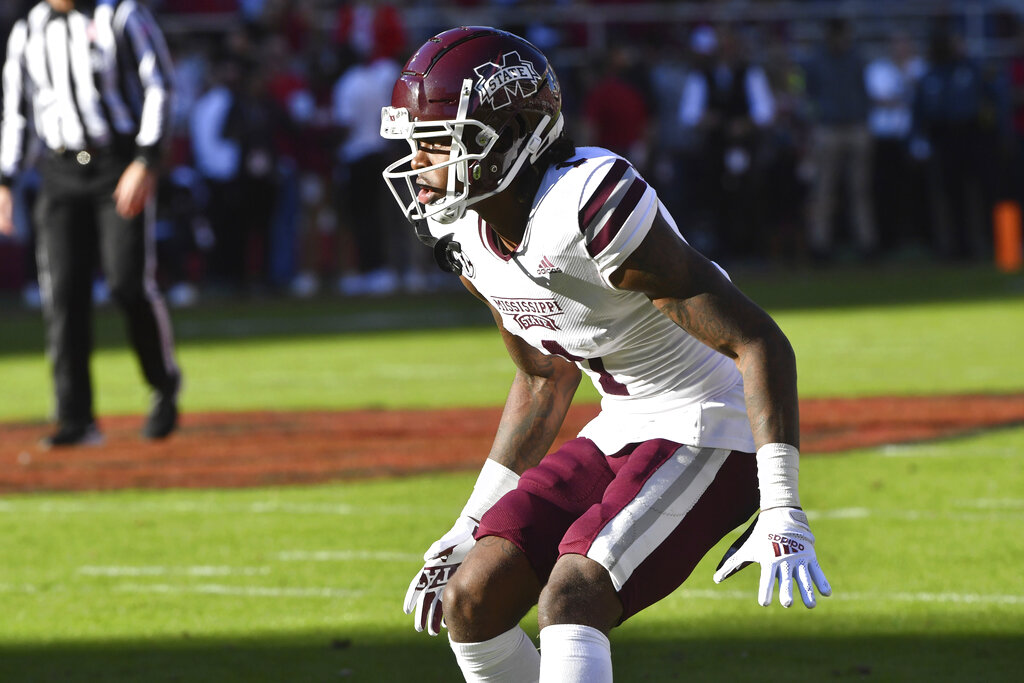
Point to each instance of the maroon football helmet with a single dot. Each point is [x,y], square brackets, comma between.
[493,95]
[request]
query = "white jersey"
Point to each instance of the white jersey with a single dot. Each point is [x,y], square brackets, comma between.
[655,380]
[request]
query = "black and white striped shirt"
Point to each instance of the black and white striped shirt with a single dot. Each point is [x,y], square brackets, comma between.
[86,78]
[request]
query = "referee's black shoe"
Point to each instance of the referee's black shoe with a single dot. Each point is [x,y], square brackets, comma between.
[163,415]
[73,434]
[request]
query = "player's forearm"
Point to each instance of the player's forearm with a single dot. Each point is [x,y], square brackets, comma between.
[733,325]
[533,414]
[768,366]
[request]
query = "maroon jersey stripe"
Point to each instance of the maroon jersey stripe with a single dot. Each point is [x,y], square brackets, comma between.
[608,383]
[604,190]
[618,218]
[559,350]
[490,240]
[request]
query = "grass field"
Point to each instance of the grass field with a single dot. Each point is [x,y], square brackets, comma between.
[921,542]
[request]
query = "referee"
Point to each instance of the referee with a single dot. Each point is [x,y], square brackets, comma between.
[92,79]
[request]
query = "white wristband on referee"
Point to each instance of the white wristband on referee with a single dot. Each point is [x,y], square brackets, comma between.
[495,481]
[778,469]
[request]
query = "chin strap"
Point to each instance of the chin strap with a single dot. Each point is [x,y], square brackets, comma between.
[423,233]
[446,253]
[446,250]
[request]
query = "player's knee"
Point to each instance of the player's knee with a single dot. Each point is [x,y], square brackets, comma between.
[493,589]
[465,598]
[579,591]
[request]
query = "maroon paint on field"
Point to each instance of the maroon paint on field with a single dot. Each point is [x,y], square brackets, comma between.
[272,448]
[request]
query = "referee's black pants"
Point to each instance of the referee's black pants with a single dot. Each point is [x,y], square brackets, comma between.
[78,226]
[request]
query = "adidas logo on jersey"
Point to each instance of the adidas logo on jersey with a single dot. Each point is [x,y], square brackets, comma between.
[546,267]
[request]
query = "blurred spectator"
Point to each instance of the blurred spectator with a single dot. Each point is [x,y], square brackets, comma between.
[218,158]
[232,143]
[358,97]
[775,142]
[786,169]
[305,217]
[890,80]
[293,21]
[668,69]
[370,30]
[371,35]
[727,101]
[950,101]
[841,143]
[615,111]
[191,73]
[182,234]
[259,123]
[1015,97]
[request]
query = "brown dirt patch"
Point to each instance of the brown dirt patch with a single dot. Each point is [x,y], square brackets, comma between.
[272,448]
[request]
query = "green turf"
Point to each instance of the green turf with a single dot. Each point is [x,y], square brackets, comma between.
[921,542]
[305,583]
[856,333]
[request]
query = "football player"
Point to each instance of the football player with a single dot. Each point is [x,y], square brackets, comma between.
[585,272]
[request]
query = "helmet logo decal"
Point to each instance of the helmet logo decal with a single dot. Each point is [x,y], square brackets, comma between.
[499,83]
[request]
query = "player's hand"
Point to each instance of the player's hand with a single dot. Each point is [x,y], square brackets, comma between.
[6,211]
[136,185]
[426,591]
[781,541]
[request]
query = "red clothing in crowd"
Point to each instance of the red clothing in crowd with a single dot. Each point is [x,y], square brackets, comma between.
[1017,85]
[387,29]
[617,115]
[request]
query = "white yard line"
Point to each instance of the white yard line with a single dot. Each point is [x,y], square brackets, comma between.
[90,570]
[988,514]
[978,510]
[121,508]
[347,555]
[902,596]
[245,591]
[684,594]
[943,451]
[991,503]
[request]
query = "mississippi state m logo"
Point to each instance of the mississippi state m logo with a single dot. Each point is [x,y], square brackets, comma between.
[498,83]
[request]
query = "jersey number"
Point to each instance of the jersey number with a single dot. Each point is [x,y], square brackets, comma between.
[611,386]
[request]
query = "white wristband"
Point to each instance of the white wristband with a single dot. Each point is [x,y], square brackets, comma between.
[495,481]
[778,469]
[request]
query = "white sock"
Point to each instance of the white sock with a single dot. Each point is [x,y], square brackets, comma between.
[510,657]
[570,653]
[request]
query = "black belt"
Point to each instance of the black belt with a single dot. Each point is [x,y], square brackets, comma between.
[84,157]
